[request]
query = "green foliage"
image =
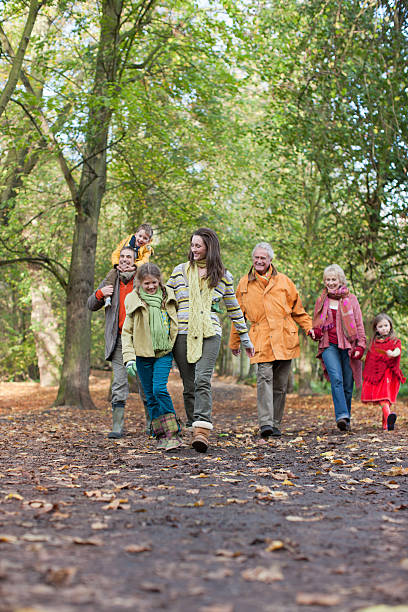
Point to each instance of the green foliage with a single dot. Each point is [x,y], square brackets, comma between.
[17,350]
[266,121]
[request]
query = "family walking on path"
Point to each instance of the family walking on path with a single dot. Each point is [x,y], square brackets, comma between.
[149,323]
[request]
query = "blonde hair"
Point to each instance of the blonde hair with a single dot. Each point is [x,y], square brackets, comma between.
[339,272]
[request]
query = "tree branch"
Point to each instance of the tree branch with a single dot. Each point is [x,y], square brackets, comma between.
[45,129]
[42,261]
[17,59]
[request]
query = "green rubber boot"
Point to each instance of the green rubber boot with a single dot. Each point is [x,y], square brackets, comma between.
[118,419]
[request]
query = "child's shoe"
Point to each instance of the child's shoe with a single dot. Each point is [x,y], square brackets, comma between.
[392,417]
[172,444]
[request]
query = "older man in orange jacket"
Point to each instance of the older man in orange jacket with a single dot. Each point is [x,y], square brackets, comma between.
[271,303]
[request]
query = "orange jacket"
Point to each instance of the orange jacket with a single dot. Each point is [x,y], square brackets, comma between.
[144,252]
[273,312]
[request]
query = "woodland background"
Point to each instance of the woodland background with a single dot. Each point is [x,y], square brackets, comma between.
[278,121]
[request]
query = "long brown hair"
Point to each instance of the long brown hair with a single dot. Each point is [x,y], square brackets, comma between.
[150,269]
[376,321]
[215,267]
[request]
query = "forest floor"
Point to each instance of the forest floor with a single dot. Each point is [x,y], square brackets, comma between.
[314,520]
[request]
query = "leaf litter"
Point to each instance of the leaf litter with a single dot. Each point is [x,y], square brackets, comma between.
[90,522]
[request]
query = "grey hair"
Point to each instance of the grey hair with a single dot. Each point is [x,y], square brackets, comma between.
[339,272]
[266,246]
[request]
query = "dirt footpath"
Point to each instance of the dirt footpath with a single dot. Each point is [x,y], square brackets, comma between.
[316,519]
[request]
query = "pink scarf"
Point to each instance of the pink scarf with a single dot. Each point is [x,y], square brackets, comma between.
[323,317]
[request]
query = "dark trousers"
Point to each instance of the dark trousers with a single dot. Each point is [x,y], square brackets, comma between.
[197,377]
[272,381]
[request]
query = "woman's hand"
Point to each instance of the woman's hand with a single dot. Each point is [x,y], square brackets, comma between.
[357,353]
[315,333]
[250,352]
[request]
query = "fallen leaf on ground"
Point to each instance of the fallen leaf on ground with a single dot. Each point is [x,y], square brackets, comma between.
[35,537]
[14,496]
[9,539]
[263,574]
[227,553]
[98,525]
[317,599]
[219,574]
[275,545]
[62,576]
[305,519]
[397,471]
[217,608]
[88,541]
[137,548]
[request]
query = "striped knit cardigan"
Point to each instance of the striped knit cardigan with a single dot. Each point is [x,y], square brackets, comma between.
[224,290]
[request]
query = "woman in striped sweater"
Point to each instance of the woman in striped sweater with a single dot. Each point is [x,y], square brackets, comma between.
[199,285]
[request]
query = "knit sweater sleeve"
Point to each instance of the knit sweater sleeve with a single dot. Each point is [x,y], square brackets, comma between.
[177,282]
[226,288]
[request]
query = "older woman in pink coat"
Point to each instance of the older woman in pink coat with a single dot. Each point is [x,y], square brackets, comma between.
[338,325]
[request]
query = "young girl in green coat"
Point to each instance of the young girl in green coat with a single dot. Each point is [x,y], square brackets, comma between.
[148,335]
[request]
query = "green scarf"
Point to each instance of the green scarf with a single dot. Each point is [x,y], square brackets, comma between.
[199,312]
[158,320]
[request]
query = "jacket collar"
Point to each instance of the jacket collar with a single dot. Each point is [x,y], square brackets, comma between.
[134,301]
[251,276]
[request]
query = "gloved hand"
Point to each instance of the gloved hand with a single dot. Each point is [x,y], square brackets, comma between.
[131,368]
[357,352]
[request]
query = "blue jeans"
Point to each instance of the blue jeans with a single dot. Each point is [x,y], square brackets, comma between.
[154,374]
[337,362]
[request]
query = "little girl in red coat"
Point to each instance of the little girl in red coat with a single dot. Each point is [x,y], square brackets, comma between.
[382,375]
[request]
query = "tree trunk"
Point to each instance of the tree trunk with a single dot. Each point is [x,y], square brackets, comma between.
[44,326]
[243,365]
[305,366]
[74,385]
